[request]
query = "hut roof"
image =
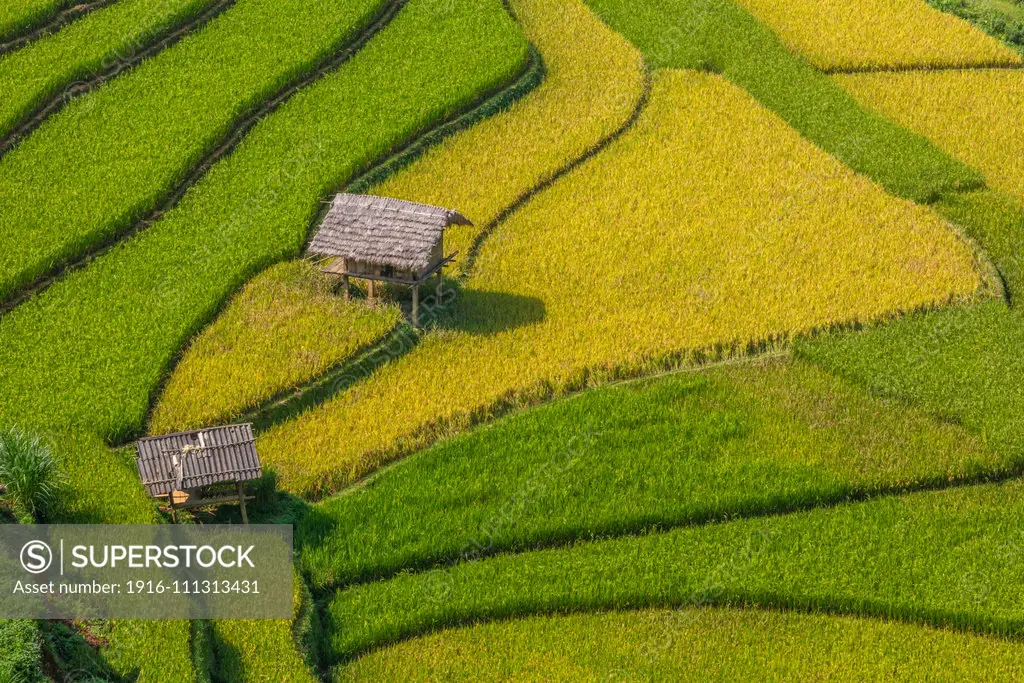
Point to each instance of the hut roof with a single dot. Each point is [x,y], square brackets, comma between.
[188,460]
[387,232]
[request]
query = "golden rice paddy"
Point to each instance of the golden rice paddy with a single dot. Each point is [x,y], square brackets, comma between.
[285,327]
[701,228]
[973,115]
[593,81]
[879,34]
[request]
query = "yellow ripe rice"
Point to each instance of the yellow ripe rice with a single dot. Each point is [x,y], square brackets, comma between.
[842,35]
[593,81]
[284,328]
[975,116]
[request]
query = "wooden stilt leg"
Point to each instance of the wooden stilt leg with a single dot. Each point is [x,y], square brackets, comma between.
[241,501]
[440,284]
[369,292]
[344,286]
[415,305]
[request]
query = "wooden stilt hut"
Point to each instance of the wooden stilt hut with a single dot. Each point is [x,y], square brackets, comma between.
[193,469]
[380,239]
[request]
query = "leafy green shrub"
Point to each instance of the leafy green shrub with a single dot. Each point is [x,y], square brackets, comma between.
[28,472]
[20,651]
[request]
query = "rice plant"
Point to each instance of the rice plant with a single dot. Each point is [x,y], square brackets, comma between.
[963,365]
[947,559]
[1001,19]
[150,651]
[263,649]
[17,17]
[94,472]
[29,473]
[31,76]
[692,644]
[286,326]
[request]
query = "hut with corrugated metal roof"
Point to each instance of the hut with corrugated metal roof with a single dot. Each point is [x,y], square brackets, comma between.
[385,240]
[192,468]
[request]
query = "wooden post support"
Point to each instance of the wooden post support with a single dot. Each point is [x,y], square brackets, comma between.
[241,501]
[369,292]
[440,284]
[344,285]
[416,305]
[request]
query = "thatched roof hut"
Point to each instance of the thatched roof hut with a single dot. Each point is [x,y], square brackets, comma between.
[383,239]
[383,231]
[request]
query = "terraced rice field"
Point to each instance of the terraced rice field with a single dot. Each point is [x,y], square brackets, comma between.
[973,115]
[737,439]
[139,304]
[701,226]
[107,39]
[879,34]
[592,85]
[109,160]
[691,644]
[18,16]
[760,263]
[912,558]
